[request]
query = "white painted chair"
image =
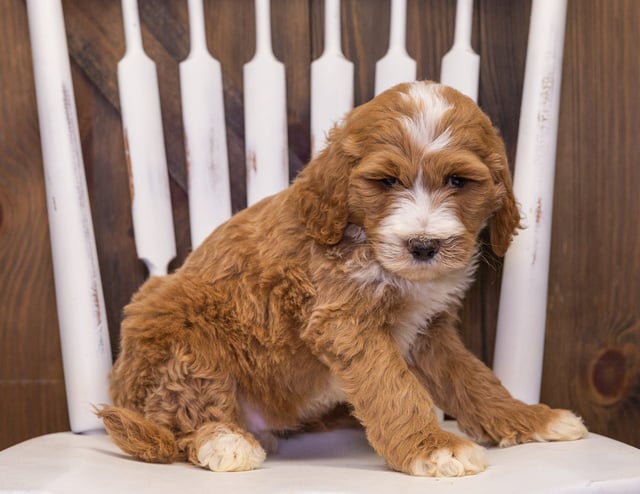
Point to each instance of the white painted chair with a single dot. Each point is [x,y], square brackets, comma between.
[85,460]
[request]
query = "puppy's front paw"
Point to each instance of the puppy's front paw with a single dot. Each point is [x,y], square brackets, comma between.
[456,458]
[230,451]
[563,426]
[539,423]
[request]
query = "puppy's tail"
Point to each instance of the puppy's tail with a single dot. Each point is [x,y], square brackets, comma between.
[138,436]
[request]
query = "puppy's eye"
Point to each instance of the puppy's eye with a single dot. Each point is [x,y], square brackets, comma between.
[456,182]
[389,182]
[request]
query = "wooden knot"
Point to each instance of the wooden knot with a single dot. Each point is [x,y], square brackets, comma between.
[609,376]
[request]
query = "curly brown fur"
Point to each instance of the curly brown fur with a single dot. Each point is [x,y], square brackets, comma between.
[139,437]
[344,288]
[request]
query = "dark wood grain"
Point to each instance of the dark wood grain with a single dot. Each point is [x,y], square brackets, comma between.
[500,38]
[107,183]
[31,382]
[430,27]
[31,407]
[592,361]
[365,33]
[593,324]
[233,20]
[292,46]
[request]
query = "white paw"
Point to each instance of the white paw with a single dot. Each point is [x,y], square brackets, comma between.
[464,459]
[565,426]
[230,452]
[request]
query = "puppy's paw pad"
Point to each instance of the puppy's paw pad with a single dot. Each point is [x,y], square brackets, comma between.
[230,452]
[466,458]
[564,426]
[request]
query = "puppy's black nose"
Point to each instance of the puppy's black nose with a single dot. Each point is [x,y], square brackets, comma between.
[423,250]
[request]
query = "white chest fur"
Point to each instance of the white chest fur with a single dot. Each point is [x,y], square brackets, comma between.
[422,299]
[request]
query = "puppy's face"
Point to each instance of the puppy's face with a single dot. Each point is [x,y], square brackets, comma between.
[429,172]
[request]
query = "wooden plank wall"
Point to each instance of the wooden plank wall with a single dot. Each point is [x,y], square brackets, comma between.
[592,362]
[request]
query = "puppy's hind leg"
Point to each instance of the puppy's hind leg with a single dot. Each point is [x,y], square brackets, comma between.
[177,368]
[206,415]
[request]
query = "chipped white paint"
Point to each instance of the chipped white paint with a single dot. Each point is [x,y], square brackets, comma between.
[144,145]
[331,80]
[523,298]
[84,336]
[461,65]
[265,115]
[205,132]
[396,66]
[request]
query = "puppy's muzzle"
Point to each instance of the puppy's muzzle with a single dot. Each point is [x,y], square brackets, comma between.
[423,249]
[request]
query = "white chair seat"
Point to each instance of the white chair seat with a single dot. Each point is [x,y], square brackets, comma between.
[337,462]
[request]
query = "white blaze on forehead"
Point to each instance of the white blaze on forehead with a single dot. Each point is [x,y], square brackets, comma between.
[424,126]
[414,214]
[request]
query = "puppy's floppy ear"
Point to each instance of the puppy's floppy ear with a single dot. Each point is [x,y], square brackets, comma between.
[322,192]
[504,223]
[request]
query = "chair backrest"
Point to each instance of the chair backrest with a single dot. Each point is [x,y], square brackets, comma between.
[82,321]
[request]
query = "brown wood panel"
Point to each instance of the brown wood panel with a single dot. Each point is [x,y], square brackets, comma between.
[364,41]
[107,183]
[592,361]
[31,407]
[500,37]
[31,382]
[292,46]
[592,343]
